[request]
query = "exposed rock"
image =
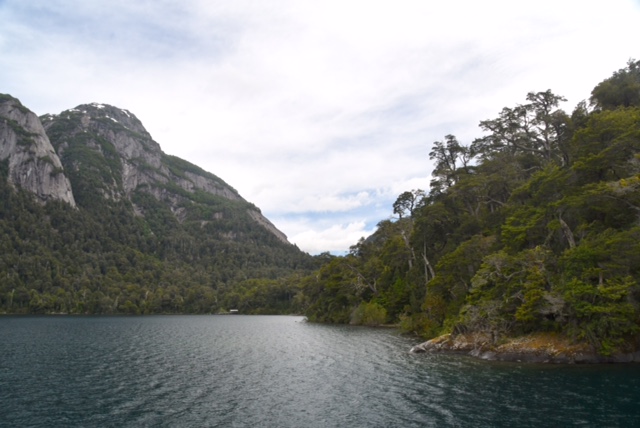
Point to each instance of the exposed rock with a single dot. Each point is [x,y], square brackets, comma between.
[536,348]
[102,125]
[133,161]
[141,165]
[264,222]
[33,163]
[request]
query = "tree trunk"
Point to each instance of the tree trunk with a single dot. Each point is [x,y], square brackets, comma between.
[428,269]
[567,232]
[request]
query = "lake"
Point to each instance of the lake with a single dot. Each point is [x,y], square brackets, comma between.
[279,371]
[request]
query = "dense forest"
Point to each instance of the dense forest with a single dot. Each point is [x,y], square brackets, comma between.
[533,226]
[55,259]
[148,232]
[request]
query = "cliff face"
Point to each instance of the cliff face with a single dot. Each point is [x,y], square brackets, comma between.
[142,232]
[32,161]
[102,127]
[107,150]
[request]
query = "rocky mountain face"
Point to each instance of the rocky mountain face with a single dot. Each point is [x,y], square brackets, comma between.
[32,162]
[95,218]
[97,149]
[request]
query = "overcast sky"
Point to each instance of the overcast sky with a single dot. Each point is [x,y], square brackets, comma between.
[319,112]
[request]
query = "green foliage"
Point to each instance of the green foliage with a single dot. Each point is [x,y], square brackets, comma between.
[451,160]
[602,314]
[333,291]
[56,259]
[4,170]
[534,134]
[419,324]
[508,293]
[15,102]
[180,168]
[371,314]
[25,138]
[534,227]
[620,90]
[156,249]
[447,291]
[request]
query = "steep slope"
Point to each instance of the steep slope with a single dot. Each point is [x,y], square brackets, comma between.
[142,231]
[108,150]
[527,245]
[32,162]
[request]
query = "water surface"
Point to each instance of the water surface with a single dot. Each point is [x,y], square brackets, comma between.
[237,371]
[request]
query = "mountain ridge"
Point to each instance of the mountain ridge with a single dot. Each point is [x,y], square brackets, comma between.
[143,161]
[112,224]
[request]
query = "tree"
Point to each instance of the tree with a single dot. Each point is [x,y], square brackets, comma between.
[622,89]
[450,157]
[536,128]
[509,293]
[534,228]
[407,202]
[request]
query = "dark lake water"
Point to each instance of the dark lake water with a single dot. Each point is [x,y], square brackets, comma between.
[239,371]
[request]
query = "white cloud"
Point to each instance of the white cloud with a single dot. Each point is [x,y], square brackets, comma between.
[310,108]
[336,238]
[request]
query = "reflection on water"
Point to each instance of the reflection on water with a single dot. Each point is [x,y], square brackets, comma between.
[281,372]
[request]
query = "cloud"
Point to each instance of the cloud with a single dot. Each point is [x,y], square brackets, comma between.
[320,113]
[334,238]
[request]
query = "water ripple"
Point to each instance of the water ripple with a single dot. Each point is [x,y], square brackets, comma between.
[238,371]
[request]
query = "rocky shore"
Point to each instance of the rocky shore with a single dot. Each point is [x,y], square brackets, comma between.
[538,348]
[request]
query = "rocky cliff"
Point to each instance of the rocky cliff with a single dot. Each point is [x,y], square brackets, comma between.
[96,219]
[32,161]
[107,150]
[140,156]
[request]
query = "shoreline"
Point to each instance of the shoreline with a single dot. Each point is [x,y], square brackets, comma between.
[536,348]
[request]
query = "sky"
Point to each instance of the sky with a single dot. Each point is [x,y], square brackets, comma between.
[319,112]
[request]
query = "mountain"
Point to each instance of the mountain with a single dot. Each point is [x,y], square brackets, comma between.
[107,150]
[33,164]
[98,219]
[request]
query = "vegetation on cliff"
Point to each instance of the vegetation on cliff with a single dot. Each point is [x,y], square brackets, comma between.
[533,227]
[106,260]
[150,233]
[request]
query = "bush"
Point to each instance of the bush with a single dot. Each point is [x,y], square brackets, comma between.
[371,314]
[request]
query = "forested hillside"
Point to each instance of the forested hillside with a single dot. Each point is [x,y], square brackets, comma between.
[142,232]
[533,226]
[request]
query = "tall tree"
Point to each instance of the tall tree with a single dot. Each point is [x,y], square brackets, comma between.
[536,128]
[407,202]
[450,158]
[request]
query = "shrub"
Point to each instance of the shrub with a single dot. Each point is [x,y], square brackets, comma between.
[371,314]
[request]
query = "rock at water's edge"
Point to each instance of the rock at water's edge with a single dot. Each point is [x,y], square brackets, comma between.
[539,348]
